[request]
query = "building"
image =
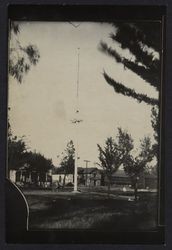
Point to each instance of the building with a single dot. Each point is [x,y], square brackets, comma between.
[26,177]
[119,178]
[145,180]
[60,177]
[90,177]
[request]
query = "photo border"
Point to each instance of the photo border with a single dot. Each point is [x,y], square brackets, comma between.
[41,11]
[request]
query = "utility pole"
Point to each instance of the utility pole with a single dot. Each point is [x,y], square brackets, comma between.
[76,121]
[86,162]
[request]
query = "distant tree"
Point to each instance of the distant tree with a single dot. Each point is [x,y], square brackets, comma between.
[68,162]
[20,57]
[16,153]
[16,150]
[113,154]
[38,162]
[18,156]
[134,166]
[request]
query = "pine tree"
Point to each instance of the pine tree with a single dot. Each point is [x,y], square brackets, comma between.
[138,38]
[142,39]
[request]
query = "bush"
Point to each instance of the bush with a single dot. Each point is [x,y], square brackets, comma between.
[69,184]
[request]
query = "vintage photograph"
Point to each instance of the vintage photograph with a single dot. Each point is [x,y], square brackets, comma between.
[84,124]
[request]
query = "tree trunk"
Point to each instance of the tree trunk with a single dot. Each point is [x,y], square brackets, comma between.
[64,181]
[108,188]
[135,191]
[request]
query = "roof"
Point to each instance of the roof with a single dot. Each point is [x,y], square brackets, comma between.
[120,173]
[90,170]
[59,170]
[87,170]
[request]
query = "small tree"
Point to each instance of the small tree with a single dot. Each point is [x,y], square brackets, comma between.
[68,161]
[114,152]
[134,166]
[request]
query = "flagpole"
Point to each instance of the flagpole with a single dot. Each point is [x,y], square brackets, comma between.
[76,123]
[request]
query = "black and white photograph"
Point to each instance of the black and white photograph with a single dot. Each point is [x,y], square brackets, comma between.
[84,110]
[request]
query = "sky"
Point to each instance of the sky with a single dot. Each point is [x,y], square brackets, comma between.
[44,104]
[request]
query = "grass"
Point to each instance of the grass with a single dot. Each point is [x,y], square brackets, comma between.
[91,210]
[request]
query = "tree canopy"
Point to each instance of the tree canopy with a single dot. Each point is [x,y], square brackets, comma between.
[114,152]
[19,155]
[16,152]
[21,58]
[134,166]
[38,162]
[68,161]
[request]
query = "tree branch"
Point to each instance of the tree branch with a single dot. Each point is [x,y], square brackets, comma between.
[120,88]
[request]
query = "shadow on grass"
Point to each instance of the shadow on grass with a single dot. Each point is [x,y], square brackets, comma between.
[92,212]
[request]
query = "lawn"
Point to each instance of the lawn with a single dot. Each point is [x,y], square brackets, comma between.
[91,209]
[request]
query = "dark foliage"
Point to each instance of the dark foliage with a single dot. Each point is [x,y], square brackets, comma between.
[121,89]
[134,166]
[150,74]
[145,32]
[38,162]
[16,153]
[21,57]
[19,156]
[14,27]
[155,122]
[68,162]
[140,39]
[114,153]
[156,127]
[132,37]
